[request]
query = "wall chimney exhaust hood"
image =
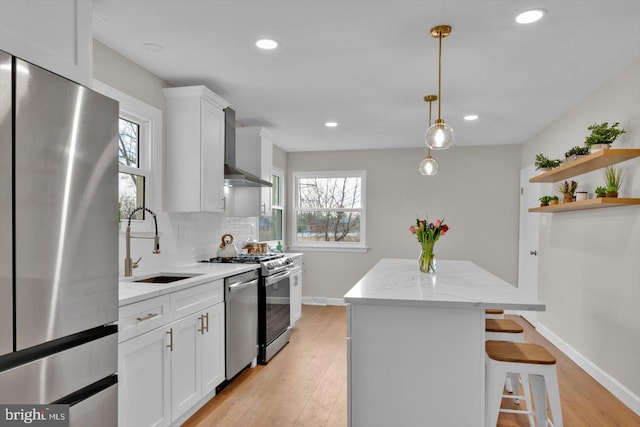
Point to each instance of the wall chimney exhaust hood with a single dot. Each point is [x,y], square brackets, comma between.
[234,176]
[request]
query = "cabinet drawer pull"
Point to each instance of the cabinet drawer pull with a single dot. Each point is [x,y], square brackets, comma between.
[201,328]
[147,317]
[170,333]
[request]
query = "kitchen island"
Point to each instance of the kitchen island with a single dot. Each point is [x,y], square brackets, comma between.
[416,343]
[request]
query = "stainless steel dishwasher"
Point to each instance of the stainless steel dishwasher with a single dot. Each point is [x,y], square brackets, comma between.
[241,306]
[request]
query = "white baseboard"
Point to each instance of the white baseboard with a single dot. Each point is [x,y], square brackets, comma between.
[607,381]
[322,301]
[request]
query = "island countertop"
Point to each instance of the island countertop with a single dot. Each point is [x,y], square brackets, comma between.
[455,284]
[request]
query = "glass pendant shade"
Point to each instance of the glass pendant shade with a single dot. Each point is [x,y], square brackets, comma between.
[428,166]
[439,136]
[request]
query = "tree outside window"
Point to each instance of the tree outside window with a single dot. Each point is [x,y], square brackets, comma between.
[131,177]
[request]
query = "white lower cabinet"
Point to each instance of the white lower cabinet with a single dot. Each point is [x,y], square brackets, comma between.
[296,297]
[295,291]
[197,358]
[165,372]
[213,350]
[144,377]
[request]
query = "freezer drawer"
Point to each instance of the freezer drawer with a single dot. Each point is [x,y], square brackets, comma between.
[100,410]
[54,377]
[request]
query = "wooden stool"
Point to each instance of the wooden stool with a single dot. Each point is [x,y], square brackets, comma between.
[503,330]
[504,357]
[492,313]
[508,330]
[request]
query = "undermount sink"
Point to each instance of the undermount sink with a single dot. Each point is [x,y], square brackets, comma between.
[165,278]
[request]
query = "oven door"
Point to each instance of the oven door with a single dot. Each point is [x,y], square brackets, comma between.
[275,314]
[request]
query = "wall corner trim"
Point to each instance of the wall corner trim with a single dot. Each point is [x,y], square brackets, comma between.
[607,381]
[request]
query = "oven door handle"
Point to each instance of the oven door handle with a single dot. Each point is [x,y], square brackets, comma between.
[241,285]
[270,280]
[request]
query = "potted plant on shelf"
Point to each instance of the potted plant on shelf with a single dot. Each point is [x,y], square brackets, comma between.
[544,200]
[568,189]
[575,153]
[543,164]
[602,136]
[553,200]
[600,191]
[613,180]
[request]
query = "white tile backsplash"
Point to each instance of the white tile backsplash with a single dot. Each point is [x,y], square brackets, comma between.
[186,238]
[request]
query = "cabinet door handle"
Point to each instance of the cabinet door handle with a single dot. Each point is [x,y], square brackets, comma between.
[206,318]
[201,328]
[147,317]
[170,333]
[224,204]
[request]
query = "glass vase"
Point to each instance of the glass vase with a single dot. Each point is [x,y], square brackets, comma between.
[427,260]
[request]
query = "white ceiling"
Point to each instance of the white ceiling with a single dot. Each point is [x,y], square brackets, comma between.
[367,64]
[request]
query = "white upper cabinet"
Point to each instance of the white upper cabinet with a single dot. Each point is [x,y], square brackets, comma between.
[195,150]
[254,153]
[55,35]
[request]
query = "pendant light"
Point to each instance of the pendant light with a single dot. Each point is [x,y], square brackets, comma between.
[429,166]
[439,135]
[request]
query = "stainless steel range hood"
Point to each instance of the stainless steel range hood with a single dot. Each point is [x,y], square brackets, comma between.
[234,176]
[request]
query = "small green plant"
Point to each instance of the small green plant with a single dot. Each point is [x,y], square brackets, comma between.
[568,187]
[578,151]
[600,191]
[544,200]
[543,162]
[603,133]
[613,178]
[553,198]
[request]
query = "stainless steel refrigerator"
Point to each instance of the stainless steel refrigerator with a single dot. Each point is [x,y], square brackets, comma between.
[58,244]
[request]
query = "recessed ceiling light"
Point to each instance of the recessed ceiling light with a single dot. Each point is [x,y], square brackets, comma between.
[331,124]
[471,117]
[530,16]
[152,47]
[267,44]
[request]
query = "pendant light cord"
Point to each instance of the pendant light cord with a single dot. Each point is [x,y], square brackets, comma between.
[429,148]
[439,72]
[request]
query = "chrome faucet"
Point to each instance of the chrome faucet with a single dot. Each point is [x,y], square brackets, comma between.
[129,264]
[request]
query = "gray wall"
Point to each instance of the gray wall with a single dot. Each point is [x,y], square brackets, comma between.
[121,73]
[476,188]
[589,261]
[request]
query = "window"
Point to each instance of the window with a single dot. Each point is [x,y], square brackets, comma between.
[271,226]
[329,210]
[140,129]
[132,177]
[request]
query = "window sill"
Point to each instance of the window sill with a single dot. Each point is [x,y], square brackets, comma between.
[326,249]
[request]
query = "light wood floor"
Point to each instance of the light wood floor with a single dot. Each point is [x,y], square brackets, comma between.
[305,385]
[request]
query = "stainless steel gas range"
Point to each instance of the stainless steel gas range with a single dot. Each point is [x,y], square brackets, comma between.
[273,303]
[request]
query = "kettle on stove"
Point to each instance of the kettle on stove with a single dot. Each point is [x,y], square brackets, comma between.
[227,248]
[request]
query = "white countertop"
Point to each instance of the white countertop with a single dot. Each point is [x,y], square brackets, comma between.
[460,284]
[130,292]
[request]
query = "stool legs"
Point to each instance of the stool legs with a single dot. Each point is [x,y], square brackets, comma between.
[543,381]
[539,396]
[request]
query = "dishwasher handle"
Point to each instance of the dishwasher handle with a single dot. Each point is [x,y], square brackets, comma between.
[242,285]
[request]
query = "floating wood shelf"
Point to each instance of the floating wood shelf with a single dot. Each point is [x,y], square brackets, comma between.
[601,202]
[588,163]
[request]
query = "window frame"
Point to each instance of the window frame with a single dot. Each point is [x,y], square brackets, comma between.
[282,207]
[360,246]
[149,119]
